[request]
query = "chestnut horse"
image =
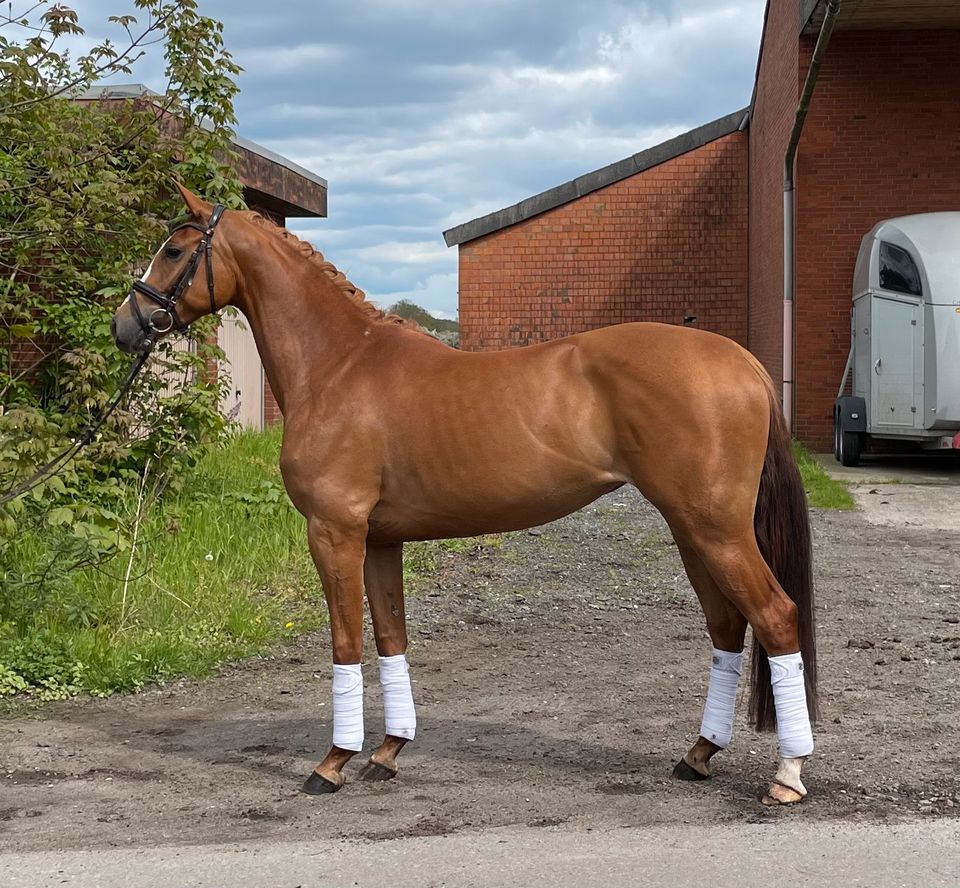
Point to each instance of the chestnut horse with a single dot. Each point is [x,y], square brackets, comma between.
[506,440]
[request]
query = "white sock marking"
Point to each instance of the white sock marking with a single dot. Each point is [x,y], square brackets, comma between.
[789,774]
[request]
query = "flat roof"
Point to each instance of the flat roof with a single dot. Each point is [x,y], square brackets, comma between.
[594,181]
[116,91]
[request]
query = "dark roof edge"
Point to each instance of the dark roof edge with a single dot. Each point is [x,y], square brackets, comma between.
[807,9]
[594,181]
[138,90]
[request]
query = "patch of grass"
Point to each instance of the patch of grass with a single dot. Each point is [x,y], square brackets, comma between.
[823,492]
[219,571]
[421,559]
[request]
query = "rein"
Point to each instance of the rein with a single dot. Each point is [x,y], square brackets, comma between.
[62,458]
[168,306]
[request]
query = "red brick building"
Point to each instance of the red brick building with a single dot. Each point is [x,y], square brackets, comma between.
[692,231]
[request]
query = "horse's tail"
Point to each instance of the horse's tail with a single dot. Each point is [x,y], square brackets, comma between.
[782,526]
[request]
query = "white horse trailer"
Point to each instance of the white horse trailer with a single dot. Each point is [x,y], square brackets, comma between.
[903,373]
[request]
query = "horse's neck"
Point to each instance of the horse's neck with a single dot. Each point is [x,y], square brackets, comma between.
[304,325]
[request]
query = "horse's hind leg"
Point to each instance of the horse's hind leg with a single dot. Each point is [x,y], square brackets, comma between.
[727,627]
[739,571]
[383,579]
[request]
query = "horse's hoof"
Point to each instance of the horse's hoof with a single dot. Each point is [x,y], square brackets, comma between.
[375,771]
[317,785]
[780,794]
[683,771]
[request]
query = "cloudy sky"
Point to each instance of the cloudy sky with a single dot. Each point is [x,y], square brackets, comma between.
[423,114]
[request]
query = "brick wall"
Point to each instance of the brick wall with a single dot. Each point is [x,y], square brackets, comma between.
[666,243]
[882,139]
[271,410]
[777,90]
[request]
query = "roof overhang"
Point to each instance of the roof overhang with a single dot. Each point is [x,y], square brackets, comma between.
[869,15]
[275,182]
[589,182]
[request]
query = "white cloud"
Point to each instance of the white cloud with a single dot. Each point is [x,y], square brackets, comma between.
[423,116]
[290,59]
[404,252]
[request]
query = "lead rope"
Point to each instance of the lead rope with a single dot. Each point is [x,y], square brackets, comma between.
[61,459]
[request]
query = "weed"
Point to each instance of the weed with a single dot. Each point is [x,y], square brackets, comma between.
[823,492]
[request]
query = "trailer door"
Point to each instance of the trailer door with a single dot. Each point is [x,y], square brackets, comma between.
[894,371]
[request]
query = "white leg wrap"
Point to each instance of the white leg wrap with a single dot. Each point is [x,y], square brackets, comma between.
[717,724]
[348,707]
[790,700]
[400,717]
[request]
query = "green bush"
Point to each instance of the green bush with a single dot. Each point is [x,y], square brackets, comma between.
[84,195]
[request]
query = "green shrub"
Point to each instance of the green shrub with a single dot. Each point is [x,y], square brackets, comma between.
[84,195]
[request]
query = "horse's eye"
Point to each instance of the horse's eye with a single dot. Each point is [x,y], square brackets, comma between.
[173,252]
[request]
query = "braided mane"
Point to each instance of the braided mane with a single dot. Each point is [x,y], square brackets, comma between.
[353,292]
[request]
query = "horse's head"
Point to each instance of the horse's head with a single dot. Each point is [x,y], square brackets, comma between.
[186,279]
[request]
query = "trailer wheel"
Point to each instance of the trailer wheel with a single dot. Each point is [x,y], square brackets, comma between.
[850,446]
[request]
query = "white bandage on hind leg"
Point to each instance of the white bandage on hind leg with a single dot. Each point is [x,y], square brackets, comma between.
[717,724]
[400,717]
[348,707]
[790,700]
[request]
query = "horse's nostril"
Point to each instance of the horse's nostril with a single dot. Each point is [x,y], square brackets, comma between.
[113,328]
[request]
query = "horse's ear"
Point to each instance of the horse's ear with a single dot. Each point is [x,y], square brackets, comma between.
[196,205]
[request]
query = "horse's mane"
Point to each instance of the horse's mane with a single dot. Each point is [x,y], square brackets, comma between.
[353,292]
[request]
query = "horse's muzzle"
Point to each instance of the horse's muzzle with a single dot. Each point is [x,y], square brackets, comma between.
[126,332]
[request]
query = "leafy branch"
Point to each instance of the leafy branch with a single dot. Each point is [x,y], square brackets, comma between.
[84,195]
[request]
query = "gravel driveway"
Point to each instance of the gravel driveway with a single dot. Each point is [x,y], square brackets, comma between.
[559,675]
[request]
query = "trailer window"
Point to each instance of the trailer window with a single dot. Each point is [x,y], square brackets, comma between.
[898,271]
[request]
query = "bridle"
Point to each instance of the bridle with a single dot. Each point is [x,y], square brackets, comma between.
[167,302]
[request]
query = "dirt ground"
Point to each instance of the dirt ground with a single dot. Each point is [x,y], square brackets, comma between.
[558,678]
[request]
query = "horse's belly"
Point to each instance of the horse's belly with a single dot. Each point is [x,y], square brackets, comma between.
[469,512]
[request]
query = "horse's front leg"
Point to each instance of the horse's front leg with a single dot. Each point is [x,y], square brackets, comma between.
[383,578]
[338,552]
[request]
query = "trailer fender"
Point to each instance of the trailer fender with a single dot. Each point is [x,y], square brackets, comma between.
[852,414]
